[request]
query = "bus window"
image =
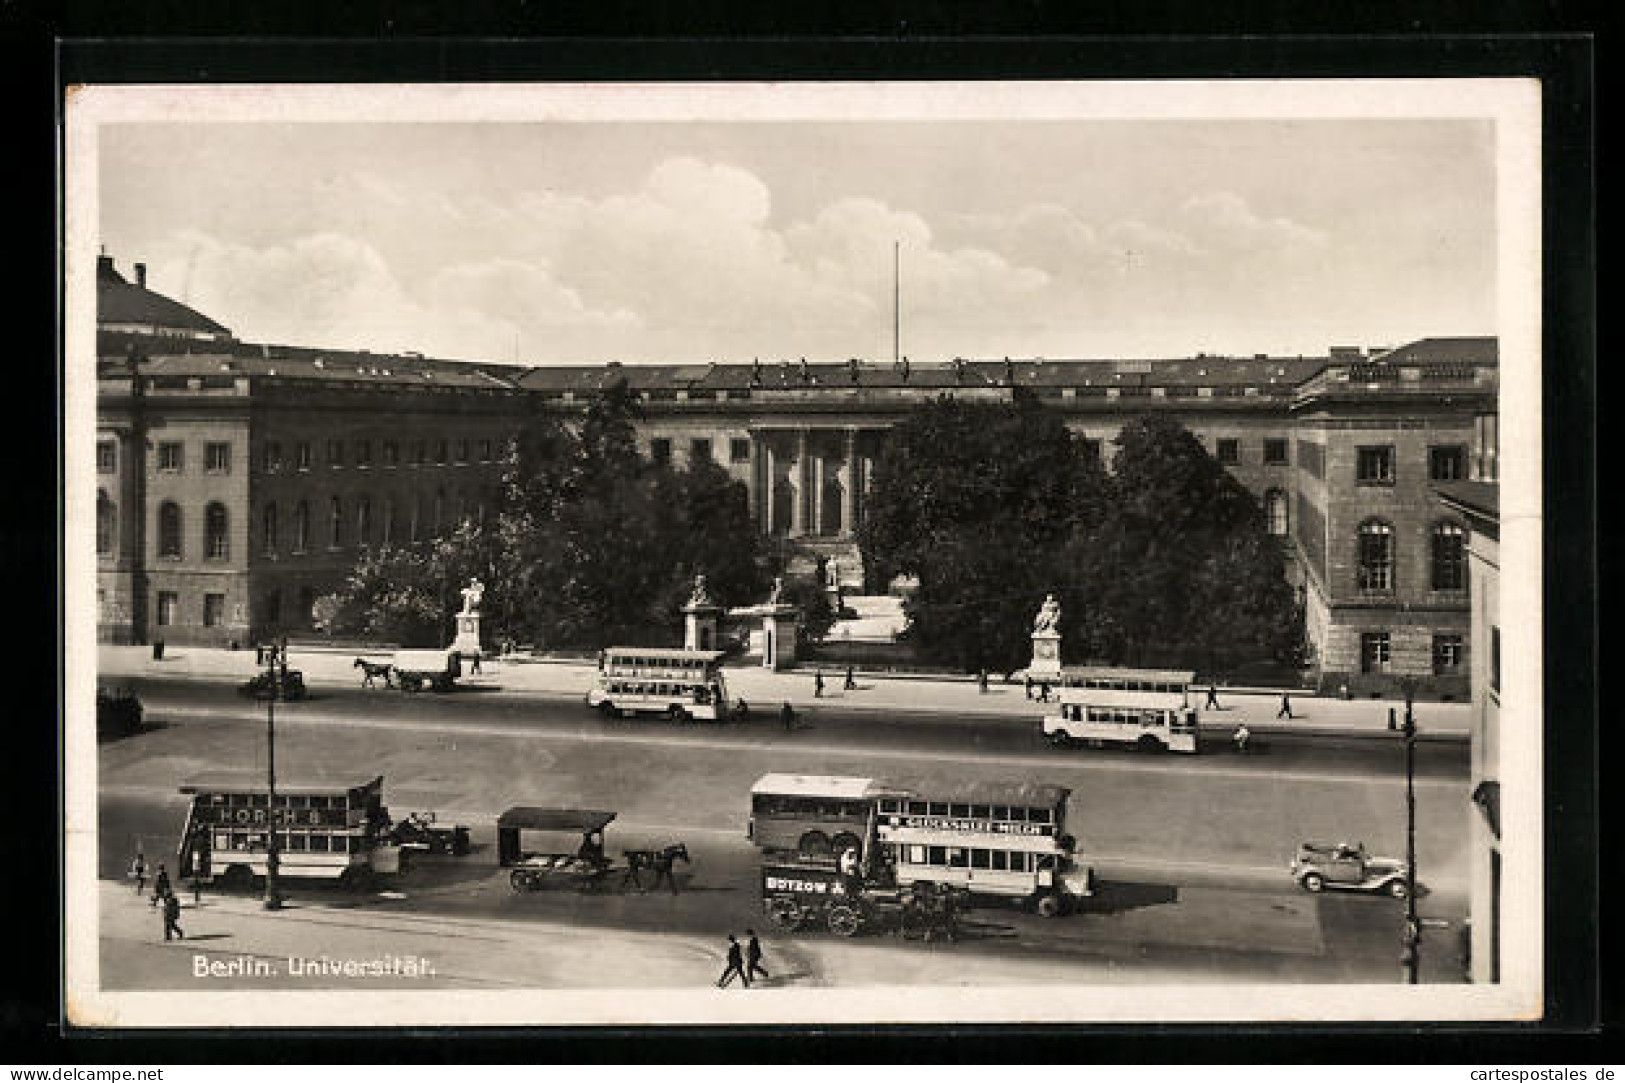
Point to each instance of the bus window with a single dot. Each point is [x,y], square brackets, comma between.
[918,808]
[888,804]
[979,859]
[916,855]
[979,812]
[222,841]
[938,808]
[958,857]
[959,811]
[1000,812]
[1018,814]
[318,844]
[299,841]
[1040,816]
[355,844]
[936,855]
[1001,860]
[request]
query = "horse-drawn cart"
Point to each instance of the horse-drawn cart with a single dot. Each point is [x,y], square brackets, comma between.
[584,869]
[807,895]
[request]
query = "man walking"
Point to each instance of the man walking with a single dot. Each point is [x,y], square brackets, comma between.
[850,685]
[736,965]
[172,918]
[818,684]
[753,956]
[138,869]
[981,681]
[1029,687]
[787,717]
[1286,707]
[1212,703]
[160,886]
[1043,692]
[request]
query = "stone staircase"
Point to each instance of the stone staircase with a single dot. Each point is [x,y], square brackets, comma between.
[877,618]
[803,562]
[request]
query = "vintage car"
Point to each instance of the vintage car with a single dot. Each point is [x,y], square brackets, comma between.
[286,685]
[420,832]
[1347,867]
[118,714]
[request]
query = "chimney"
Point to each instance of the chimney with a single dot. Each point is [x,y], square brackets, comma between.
[141,275]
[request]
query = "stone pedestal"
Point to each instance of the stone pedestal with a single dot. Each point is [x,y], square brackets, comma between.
[1046,663]
[779,628]
[700,627]
[467,642]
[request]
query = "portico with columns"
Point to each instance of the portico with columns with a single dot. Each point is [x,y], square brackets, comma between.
[810,481]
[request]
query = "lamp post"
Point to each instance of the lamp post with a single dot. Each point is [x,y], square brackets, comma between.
[1410,957]
[273,890]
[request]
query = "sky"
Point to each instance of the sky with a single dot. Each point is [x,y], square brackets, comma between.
[585,242]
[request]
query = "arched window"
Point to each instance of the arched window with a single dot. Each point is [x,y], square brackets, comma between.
[106,524]
[301,527]
[363,520]
[335,522]
[416,526]
[1376,555]
[216,533]
[1275,512]
[269,532]
[388,523]
[1449,557]
[169,530]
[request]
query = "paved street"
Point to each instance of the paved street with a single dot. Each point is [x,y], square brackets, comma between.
[1193,849]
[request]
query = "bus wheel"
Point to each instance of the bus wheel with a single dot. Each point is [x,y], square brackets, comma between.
[355,879]
[520,880]
[844,921]
[237,878]
[785,914]
[607,709]
[1397,889]
[1049,906]
[814,844]
[676,713]
[1061,739]
[1149,743]
[1313,882]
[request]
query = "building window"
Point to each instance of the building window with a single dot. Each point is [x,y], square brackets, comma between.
[699,451]
[1275,452]
[388,537]
[739,450]
[1486,448]
[1375,652]
[171,457]
[301,455]
[106,524]
[1447,463]
[301,527]
[363,521]
[335,523]
[415,526]
[420,452]
[1375,466]
[216,458]
[273,607]
[1227,450]
[168,603]
[462,450]
[169,530]
[268,532]
[1275,513]
[1449,557]
[1446,654]
[392,453]
[273,458]
[485,451]
[216,536]
[335,453]
[363,453]
[660,449]
[1312,459]
[214,610]
[1376,554]
[441,451]
[106,457]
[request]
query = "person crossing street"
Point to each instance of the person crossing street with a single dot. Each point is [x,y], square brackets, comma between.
[753,956]
[1286,707]
[787,717]
[138,869]
[735,967]
[160,886]
[172,917]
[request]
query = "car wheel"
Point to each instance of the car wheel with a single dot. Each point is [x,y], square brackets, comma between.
[1313,882]
[607,709]
[1149,744]
[785,914]
[844,921]
[1398,889]
[1049,906]
[676,713]
[1060,739]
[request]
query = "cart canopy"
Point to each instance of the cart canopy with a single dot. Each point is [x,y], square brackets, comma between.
[531,818]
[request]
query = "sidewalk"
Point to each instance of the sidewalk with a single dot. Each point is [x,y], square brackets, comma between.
[765,690]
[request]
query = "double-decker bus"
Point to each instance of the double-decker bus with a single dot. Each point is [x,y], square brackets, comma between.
[1005,839]
[1149,709]
[324,830]
[680,684]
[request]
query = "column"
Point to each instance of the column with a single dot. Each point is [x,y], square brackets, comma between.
[818,494]
[770,488]
[849,486]
[798,507]
[753,487]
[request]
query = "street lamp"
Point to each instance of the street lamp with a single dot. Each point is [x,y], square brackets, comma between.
[1410,957]
[274,681]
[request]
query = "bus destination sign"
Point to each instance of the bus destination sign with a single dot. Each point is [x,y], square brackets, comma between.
[980,827]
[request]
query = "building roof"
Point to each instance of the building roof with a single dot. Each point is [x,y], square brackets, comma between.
[178,358]
[254,782]
[976,792]
[837,786]
[119,301]
[531,818]
[1475,350]
[1477,498]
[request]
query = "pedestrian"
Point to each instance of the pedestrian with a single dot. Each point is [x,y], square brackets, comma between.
[160,886]
[197,889]
[172,917]
[753,956]
[1286,707]
[1029,687]
[850,685]
[981,681]
[1043,692]
[138,870]
[787,717]
[1241,737]
[1212,703]
[474,666]
[736,965]
[818,684]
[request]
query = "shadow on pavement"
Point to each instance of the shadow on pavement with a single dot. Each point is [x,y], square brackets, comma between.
[1117,896]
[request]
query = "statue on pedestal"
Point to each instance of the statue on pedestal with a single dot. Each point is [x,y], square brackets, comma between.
[1046,638]
[1049,616]
[473,594]
[776,595]
[701,595]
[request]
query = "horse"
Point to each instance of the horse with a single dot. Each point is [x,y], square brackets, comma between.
[657,861]
[370,671]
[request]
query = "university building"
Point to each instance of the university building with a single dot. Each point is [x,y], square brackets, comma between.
[236,481]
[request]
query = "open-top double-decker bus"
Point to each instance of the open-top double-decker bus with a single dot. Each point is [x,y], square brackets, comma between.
[1149,709]
[680,684]
[324,829]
